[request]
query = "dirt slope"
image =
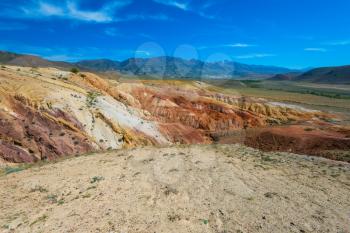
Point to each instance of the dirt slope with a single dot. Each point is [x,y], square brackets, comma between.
[179,189]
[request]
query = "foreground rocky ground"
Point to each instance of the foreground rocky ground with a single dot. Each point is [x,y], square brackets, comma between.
[200,188]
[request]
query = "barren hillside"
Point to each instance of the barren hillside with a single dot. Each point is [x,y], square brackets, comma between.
[47,113]
[208,188]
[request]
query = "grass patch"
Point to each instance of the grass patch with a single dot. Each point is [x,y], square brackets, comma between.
[9,170]
[267,159]
[40,219]
[91,187]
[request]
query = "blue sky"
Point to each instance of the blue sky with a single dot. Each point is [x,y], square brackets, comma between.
[290,33]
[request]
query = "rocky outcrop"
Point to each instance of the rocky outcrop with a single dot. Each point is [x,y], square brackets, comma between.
[28,134]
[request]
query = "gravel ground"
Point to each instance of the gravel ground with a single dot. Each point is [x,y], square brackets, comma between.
[207,188]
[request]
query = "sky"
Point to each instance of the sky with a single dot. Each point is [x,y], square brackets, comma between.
[288,33]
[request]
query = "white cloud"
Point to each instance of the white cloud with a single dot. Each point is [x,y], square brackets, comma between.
[180,5]
[147,36]
[68,9]
[236,45]
[240,45]
[111,32]
[315,49]
[50,10]
[161,17]
[255,55]
[61,57]
[185,6]
[208,4]
[104,15]
[339,43]
[143,52]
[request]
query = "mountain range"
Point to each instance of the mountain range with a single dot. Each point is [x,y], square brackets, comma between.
[158,66]
[178,67]
[173,67]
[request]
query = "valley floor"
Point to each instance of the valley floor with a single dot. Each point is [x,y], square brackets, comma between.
[199,188]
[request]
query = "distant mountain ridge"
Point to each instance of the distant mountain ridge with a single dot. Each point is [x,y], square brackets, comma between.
[158,66]
[173,67]
[178,67]
[10,58]
[326,75]
[335,75]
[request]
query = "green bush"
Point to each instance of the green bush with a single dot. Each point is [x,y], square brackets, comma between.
[91,98]
[74,70]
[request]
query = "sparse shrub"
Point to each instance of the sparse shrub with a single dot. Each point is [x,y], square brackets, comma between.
[96,179]
[60,202]
[39,188]
[74,70]
[174,217]
[52,198]
[91,98]
[49,105]
[82,75]
[308,129]
[3,67]
[205,221]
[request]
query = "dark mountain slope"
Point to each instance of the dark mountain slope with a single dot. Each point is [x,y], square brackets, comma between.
[284,77]
[30,60]
[331,75]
